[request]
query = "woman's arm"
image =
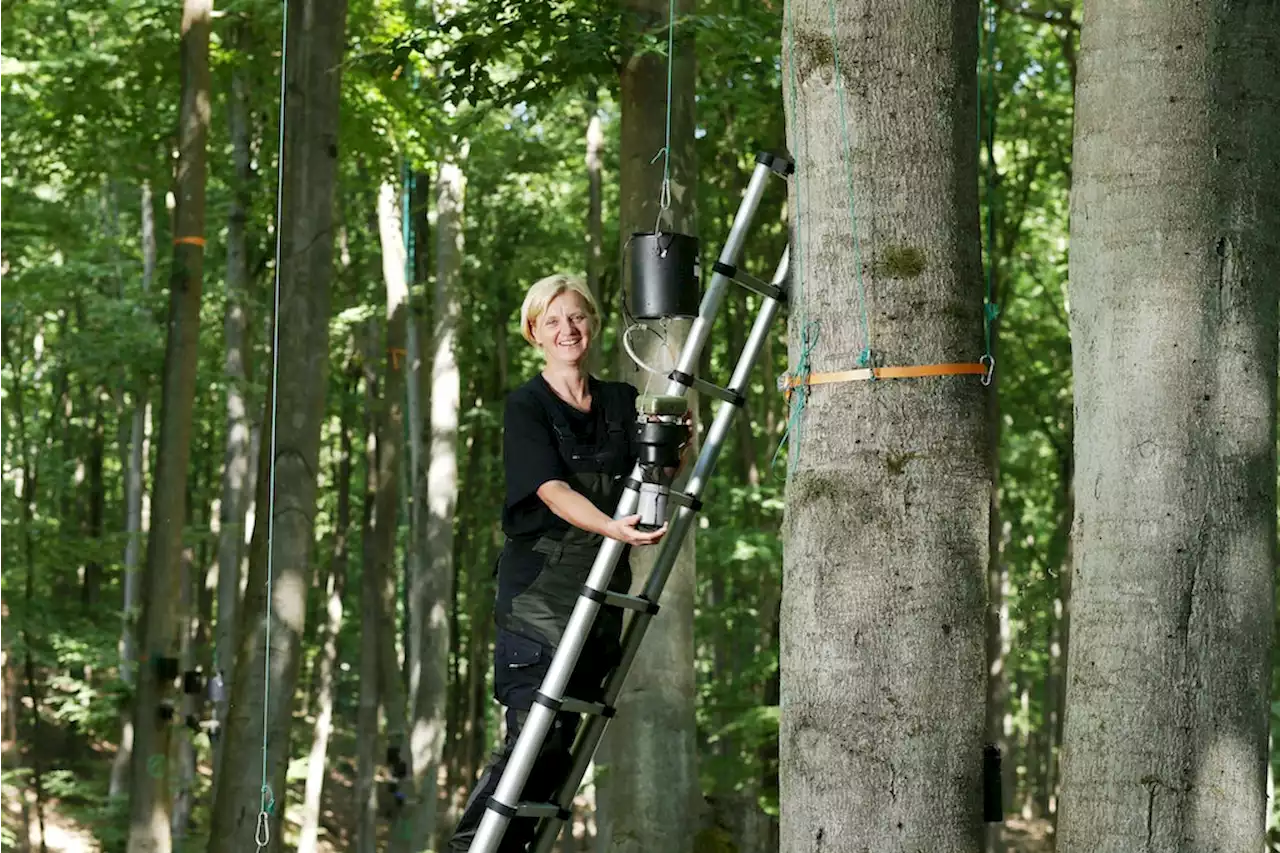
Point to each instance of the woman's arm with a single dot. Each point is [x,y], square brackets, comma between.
[575,508]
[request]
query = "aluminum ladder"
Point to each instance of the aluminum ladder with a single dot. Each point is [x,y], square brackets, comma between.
[505,804]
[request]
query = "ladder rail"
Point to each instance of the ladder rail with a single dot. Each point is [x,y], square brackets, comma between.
[714,295]
[593,729]
[504,802]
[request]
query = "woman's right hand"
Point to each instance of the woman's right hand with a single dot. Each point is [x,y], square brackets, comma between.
[624,530]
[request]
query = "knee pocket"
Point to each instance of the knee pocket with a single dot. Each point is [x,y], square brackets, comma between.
[520,663]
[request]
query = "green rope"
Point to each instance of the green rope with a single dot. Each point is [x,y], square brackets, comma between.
[267,800]
[809,331]
[664,198]
[990,310]
[864,357]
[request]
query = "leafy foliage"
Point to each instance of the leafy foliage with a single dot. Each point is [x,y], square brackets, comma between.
[91,96]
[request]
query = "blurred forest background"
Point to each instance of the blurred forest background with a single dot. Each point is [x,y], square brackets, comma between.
[482,137]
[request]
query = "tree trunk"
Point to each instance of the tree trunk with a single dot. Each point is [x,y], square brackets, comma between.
[335,589]
[999,722]
[433,595]
[149,805]
[139,452]
[9,719]
[386,511]
[92,584]
[655,799]
[367,713]
[1175,250]
[27,459]
[595,205]
[1064,631]
[888,496]
[316,38]
[236,485]
[184,752]
[595,217]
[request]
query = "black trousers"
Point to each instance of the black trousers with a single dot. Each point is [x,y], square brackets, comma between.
[549,771]
[520,664]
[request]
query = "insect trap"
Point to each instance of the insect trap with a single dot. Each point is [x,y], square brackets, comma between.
[664,287]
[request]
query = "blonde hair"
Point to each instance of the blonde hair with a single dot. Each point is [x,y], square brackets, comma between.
[545,291]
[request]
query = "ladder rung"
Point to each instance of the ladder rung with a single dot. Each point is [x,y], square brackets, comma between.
[574,706]
[750,282]
[702,386]
[596,709]
[542,810]
[631,602]
[685,500]
[779,164]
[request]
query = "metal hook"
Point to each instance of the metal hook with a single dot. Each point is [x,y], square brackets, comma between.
[263,833]
[989,362]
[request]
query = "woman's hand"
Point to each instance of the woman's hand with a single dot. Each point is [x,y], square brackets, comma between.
[624,530]
[575,508]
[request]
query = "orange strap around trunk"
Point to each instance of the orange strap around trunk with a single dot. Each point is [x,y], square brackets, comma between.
[788,383]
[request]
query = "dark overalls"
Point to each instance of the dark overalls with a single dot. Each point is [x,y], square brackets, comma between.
[538,586]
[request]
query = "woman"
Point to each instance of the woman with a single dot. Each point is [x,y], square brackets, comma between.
[567,452]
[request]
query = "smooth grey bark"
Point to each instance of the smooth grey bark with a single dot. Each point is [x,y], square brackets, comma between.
[184,748]
[652,798]
[135,517]
[595,220]
[28,465]
[1063,624]
[391,448]
[316,39]
[888,492]
[335,588]
[236,485]
[150,771]
[1175,271]
[367,710]
[595,206]
[999,722]
[432,595]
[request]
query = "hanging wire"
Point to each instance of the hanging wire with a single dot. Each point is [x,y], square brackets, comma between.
[664,196]
[990,310]
[267,800]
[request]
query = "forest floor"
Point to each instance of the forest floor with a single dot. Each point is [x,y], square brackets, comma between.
[67,828]
[75,820]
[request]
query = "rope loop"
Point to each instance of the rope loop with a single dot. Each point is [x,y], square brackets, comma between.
[664,196]
[799,395]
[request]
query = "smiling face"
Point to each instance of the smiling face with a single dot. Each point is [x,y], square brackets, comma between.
[563,332]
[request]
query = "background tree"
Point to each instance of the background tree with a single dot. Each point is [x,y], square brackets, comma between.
[652,796]
[1174,320]
[315,42]
[155,707]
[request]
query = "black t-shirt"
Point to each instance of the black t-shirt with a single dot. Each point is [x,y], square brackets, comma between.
[531,452]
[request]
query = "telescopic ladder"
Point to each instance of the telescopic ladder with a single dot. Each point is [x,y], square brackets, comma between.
[505,803]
